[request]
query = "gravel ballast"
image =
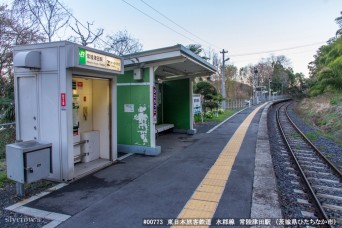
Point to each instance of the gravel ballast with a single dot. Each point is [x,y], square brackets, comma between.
[329,148]
[285,179]
[287,183]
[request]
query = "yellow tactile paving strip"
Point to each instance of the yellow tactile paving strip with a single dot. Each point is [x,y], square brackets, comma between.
[204,201]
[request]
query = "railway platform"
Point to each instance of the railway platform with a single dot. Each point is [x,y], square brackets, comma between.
[224,177]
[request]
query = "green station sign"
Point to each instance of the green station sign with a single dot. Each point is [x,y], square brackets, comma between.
[94,59]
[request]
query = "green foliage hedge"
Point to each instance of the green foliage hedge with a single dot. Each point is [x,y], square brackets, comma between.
[326,70]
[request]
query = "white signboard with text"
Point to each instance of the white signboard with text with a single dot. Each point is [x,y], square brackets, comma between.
[196,104]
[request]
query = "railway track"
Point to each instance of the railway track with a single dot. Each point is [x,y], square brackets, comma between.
[320,195]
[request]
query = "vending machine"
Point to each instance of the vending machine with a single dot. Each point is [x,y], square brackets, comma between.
[76,122]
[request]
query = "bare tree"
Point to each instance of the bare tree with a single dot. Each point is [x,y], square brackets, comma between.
[276,68]
[122,43]
[25,27]
[265,71]
[13,31]
[215,59]
[89,37]
[211,56]
[51,15]
[247,74]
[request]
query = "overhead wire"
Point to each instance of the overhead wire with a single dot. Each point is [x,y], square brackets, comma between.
[78,21]
[236,60]
[159,21]
[276,50]
[184,29]
[81,22]
[291,53]
[235,55]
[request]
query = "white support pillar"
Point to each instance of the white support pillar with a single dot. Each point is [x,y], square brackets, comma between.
[114,139]
[191,106]
[152,124]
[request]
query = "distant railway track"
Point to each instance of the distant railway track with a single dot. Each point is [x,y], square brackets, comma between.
[318,181]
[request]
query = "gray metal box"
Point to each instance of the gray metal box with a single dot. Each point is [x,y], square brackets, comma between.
[28,161]
[138,74]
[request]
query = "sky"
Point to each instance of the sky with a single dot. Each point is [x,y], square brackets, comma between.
[239,26]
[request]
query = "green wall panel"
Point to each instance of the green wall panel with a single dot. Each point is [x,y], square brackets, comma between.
[176,103]
[159,115]
[124,118]
[133,127]
[127,77]
[140,97]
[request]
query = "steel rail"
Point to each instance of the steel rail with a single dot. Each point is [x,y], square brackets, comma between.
[316,202]
[330,164]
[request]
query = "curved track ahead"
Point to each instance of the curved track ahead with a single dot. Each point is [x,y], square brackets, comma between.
[322,180]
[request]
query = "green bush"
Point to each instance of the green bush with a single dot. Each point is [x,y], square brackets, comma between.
[197,117]
[7,136]
[209,115]
[336,99]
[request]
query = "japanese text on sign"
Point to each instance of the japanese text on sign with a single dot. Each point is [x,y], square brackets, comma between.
[63,100]
[93,59]
[154,104]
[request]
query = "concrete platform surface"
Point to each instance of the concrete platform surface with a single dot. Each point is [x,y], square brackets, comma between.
[142,187]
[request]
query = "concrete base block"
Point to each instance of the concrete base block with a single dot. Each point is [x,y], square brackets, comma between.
[182,131]
[133,149]
[191,131]
[185,131]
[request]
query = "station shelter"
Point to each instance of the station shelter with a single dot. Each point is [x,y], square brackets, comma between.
[66,94]
[155,94]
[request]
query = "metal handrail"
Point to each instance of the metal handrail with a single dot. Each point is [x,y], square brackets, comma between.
[7,124]
[81,142]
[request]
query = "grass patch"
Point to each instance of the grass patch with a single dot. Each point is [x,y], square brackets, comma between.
[224,115]
[298,147]
[4,179]
[336,99]
[329,155]
[210,116]
[295,135]
[41,184]
[7,136]
[323,112]
[311,136]
[3,174]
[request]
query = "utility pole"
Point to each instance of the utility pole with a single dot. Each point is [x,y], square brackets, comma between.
[256,81]
[223,86]
[269,88]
